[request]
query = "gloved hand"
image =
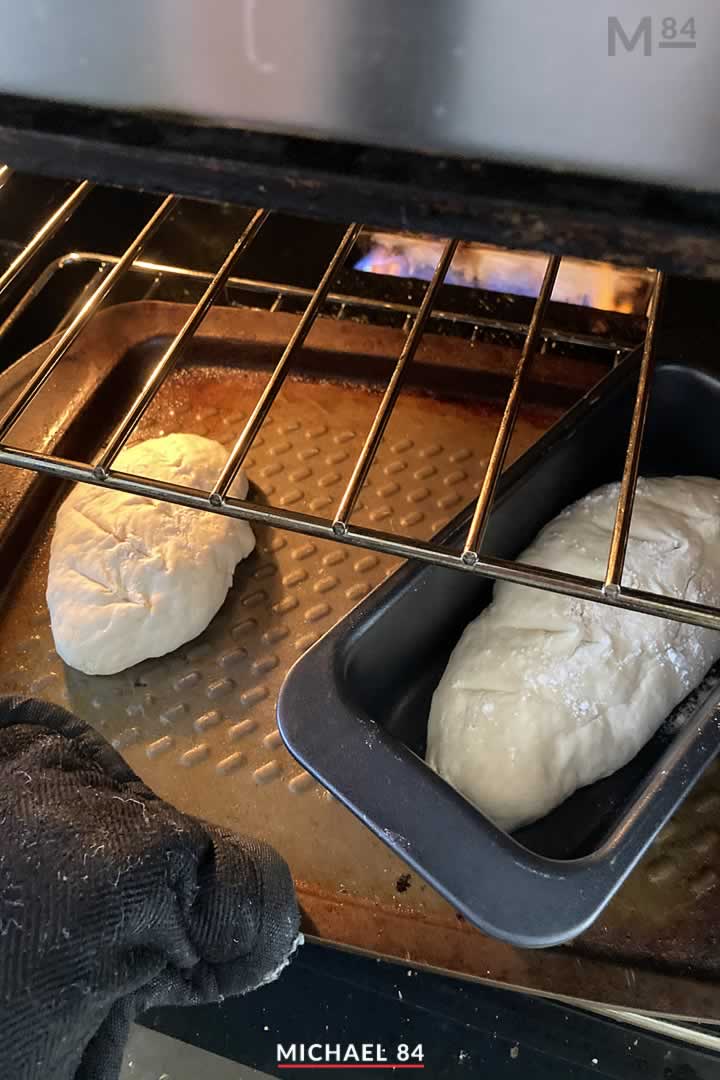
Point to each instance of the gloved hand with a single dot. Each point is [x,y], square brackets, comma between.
[113,902]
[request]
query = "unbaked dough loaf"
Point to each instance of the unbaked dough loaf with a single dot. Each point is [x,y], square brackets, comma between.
[546,693]
[132,577]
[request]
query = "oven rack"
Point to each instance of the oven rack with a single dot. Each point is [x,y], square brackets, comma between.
[339,526]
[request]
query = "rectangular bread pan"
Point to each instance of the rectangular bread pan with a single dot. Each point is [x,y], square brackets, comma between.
[354,709]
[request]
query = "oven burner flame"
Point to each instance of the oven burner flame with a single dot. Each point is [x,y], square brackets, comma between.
[479,266]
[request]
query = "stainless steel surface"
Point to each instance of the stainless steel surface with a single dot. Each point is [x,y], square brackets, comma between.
[338,527]
[626,498]
[274,383]
[380,420]
[511,82]
[476,532]
[35,384]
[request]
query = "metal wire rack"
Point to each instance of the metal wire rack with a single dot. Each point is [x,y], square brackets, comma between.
[340,527]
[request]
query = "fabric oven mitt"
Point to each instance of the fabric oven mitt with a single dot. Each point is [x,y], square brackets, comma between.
[113,902]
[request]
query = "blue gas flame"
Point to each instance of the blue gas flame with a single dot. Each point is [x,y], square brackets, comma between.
[380,261]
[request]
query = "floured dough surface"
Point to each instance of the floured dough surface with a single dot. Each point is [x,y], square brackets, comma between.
[545,693]
[131,577]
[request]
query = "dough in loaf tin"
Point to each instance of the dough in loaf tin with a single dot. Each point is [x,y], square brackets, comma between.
[544,693]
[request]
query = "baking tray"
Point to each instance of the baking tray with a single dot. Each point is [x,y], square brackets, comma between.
[221,757]
[372,679]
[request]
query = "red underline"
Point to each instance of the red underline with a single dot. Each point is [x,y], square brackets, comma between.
[387,1065]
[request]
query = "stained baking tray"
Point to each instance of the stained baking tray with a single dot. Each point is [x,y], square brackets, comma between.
[199,726]
[372,679]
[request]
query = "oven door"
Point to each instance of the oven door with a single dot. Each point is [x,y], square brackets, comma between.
[621,91]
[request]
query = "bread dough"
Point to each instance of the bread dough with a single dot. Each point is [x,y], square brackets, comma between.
[546,693]
[132,577]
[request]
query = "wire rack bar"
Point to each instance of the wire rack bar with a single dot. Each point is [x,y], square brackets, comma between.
[623,516]
[476,532]
[373,540]
[35,384]
[87,290]
[44,233]
[109,268]
[374,436]
[172,354]
[274,383]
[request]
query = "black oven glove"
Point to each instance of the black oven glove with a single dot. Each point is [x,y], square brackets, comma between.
[113,902]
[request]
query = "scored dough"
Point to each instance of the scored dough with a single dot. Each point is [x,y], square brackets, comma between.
[546,693]
[132,577]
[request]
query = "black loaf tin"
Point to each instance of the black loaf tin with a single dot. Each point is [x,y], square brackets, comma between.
[353,710]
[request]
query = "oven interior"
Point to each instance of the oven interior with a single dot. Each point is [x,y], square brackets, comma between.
[371,397]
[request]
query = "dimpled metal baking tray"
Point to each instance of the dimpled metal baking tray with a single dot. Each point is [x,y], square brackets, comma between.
[354,709]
